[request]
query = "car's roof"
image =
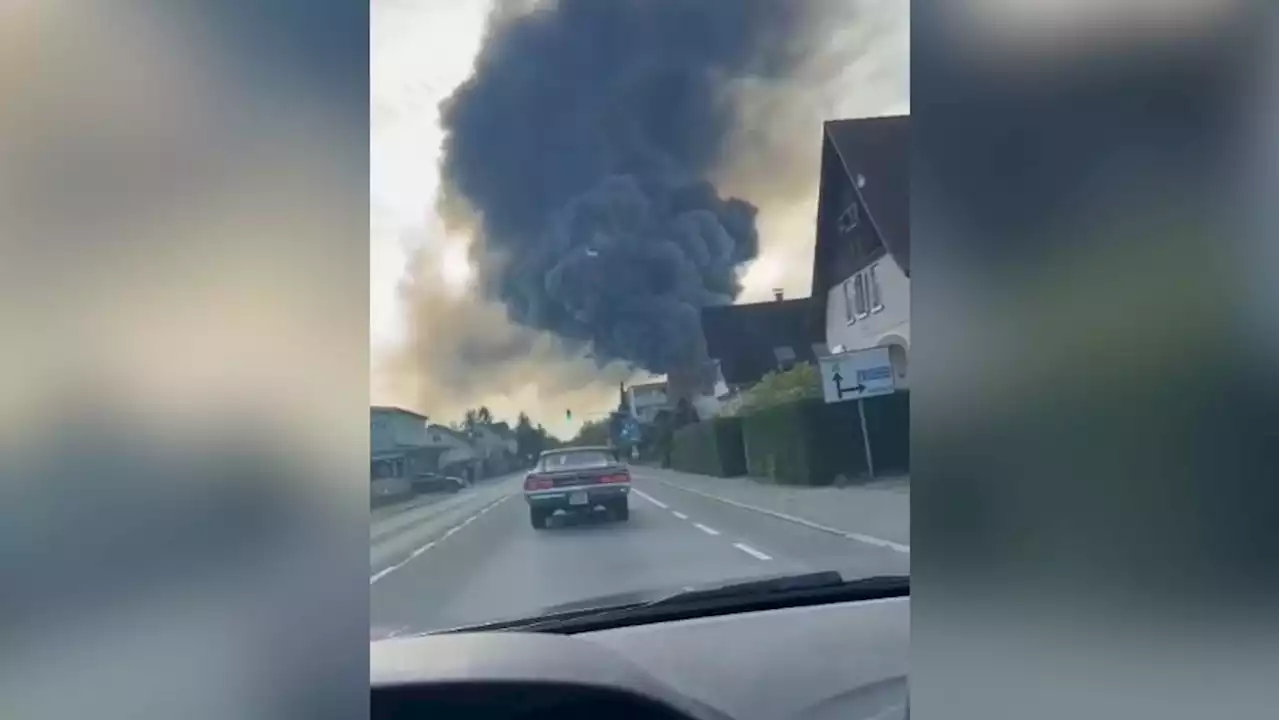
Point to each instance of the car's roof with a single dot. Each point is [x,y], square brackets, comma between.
[579,448]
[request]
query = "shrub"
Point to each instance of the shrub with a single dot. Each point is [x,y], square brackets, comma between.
[713,447]
[801,382]
[809,442]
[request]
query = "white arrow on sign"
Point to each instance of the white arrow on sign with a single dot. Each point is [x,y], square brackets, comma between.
[858,374]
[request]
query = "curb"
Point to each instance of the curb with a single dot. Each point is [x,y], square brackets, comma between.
[868,539]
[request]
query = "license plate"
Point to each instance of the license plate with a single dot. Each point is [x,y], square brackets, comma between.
[578,498]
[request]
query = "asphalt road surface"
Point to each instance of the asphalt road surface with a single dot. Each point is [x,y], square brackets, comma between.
[473,556]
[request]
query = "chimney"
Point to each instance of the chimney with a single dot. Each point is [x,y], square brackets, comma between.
[777,294]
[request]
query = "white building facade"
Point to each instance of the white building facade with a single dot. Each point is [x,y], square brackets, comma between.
[862,255]
[646,400]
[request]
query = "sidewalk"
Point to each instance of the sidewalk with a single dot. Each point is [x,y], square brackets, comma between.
[392,509]
[881,509]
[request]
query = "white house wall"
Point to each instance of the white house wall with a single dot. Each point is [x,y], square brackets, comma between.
[493,444]
[455,450]
[647,400]
[890,325]
[381,434]
[457,455]
[395,429]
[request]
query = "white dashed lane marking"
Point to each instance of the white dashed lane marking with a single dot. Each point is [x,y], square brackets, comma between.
[447,533]
[752,551]
[860,537]
[655,501]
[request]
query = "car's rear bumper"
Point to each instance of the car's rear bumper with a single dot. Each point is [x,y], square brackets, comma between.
[558,499]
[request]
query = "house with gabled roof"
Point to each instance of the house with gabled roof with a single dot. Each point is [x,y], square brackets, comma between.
[398,448]
[459,453]
[862,252]
[752,340]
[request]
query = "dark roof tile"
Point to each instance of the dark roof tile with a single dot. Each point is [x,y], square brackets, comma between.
[878,148]
[744,337]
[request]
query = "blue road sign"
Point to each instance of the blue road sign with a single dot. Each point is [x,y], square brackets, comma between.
[631,430]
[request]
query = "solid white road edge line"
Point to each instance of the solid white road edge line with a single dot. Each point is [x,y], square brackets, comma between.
[392,568]
[868,539]
[655,501]
[385,572]
[679,514]
[705,529]
[752,551]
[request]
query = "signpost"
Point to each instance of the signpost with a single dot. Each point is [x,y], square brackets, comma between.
[855,376]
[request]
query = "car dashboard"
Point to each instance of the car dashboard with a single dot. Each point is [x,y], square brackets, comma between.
[842,660]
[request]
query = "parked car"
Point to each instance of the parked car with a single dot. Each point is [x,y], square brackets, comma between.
[435,482]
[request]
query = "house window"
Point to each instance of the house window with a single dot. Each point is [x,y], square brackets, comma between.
[846,288]
[860,305]
[873,289]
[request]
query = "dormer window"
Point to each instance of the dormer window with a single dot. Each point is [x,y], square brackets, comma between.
[849,218]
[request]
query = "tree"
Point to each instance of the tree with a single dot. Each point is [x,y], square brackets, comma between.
[470,420]
[593,432]
[483,416]
[549,441]
[530,440]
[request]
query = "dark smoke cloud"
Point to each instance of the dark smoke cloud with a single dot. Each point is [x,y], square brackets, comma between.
[585,144]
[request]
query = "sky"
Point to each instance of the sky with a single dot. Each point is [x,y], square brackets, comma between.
[426,318]
[420,51]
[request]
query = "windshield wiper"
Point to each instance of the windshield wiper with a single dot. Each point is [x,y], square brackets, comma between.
[784,584]
[746,596]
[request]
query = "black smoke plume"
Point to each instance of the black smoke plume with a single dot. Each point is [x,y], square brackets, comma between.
[585,142]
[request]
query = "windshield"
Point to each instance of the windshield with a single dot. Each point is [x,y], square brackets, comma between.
[586,257]
[574,460]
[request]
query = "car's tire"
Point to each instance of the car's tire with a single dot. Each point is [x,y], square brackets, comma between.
[538,519]
[621,511]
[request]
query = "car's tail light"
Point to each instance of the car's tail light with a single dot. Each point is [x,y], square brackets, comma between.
[536,482]
[616,478]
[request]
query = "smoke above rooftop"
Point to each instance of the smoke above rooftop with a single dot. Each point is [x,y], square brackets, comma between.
[583,148]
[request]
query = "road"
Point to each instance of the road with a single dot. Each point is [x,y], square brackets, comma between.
[473,556]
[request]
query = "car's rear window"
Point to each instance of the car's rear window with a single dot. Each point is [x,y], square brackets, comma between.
[574,460]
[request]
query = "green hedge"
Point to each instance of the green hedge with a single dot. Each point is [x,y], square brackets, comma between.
[713,447]
[889,425]
[810,442]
